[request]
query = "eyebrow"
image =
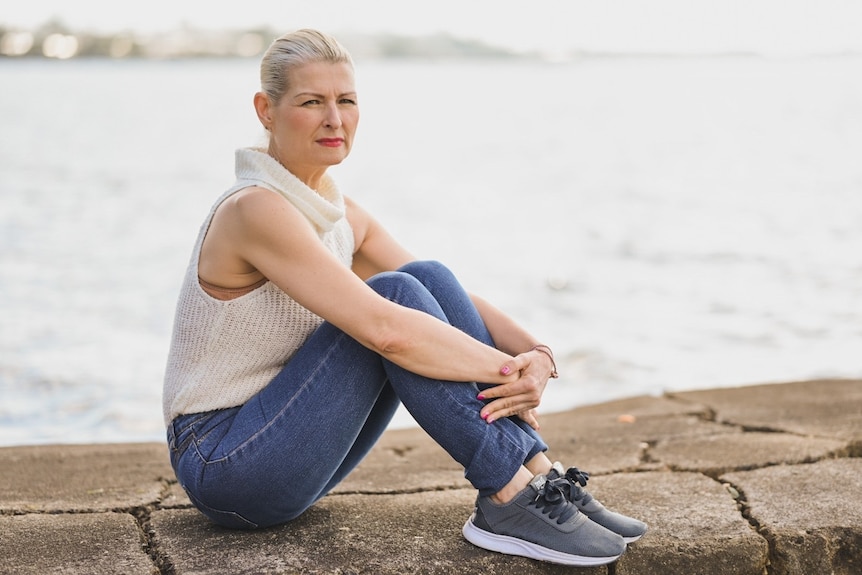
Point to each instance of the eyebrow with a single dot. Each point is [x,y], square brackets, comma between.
[316,95]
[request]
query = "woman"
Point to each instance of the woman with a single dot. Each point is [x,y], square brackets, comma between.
[302,324]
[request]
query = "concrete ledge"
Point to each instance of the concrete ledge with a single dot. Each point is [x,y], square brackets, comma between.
[73,543]
[750,480]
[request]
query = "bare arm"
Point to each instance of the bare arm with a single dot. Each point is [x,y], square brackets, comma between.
[377,251]
[274,238]
[533,367]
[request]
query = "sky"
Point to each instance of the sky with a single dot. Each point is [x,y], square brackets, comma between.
[689,26]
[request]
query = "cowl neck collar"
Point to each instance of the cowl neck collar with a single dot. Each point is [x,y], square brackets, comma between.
[323,206]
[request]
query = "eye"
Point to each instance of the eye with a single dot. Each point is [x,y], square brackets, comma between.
[348,101]
[311,102]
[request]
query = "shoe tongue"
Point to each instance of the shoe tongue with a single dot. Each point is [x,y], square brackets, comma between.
[557,471]
[538,483]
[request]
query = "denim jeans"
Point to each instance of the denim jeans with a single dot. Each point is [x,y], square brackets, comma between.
[267,461]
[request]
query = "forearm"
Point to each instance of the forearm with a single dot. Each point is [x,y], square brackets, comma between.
[508,335]
[430,347]
[533,362]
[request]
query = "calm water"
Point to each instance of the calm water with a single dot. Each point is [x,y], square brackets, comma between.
[664,224]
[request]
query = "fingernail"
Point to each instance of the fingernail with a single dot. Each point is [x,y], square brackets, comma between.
[480,397]
[489,420]
[484,415]
[505,370]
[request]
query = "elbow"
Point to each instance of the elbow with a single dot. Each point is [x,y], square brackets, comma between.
[391,330]
[389,333]
[389,341]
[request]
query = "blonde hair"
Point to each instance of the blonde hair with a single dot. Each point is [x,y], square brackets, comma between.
[295,49]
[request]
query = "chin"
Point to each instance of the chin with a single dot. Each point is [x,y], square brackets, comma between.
[336,161]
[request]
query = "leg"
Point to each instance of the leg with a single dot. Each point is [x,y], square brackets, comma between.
[269,460]
[449,411]
[459,310]
[503,518]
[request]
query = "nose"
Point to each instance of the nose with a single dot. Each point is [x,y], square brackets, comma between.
[333,117]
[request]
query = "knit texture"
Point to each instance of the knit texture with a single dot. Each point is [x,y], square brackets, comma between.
[223,352]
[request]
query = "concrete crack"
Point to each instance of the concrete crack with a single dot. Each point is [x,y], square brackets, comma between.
[645,457]
[151,546]
[341,493]
[738,495]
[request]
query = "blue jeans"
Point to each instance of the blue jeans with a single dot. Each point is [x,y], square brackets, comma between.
[267,461]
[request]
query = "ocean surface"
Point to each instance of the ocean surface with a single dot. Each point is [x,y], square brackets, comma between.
[662,223]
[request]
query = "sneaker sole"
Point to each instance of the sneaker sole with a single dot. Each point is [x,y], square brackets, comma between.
[515,546]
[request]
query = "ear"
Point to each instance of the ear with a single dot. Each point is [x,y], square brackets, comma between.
[263,109]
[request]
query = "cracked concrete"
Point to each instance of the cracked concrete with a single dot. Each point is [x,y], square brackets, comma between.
[762,480]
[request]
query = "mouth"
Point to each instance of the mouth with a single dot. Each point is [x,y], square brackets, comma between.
[331,142]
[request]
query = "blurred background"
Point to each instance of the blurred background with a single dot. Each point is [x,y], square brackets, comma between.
[667,193]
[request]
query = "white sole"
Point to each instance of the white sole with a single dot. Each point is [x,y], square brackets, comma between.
[515,546]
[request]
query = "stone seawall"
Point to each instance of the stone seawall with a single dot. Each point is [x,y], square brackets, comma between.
[753,480]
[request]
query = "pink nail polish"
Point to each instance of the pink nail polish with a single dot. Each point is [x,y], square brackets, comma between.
[480,397]
[484,415]
[505,370]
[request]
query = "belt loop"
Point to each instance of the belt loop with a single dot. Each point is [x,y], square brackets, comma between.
[172,436]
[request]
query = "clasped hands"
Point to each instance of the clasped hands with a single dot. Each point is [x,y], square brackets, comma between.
[531,371]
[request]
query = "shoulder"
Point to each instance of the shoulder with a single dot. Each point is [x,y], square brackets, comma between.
[352,206]
[252,199]
[257,212]
[358,217]
[258,205]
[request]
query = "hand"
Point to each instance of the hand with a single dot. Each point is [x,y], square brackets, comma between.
[531,417]
[523,395]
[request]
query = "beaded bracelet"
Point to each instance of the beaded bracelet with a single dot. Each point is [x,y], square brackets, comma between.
[547,351]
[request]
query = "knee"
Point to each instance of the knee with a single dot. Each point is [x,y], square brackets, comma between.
[391,284]
[406,290]
[434,275]
[423,269]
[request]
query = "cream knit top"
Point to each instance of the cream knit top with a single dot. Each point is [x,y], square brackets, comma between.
[223,352]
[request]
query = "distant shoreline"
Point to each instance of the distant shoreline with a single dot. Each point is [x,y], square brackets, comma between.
[53,40]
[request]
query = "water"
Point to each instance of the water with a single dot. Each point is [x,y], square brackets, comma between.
[664,224]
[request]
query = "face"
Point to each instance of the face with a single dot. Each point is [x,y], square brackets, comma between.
[312,126]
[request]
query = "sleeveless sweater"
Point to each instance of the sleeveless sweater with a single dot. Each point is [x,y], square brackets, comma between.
[224,352]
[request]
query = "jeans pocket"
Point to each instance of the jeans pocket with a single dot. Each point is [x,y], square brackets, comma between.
[181,433]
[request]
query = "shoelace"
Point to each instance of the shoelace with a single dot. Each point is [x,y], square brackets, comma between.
[570,485]
[552,501]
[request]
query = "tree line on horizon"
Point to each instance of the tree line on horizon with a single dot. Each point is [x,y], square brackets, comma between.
[55,40]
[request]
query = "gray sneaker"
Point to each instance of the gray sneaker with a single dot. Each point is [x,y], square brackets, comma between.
[572,482]
[540,523]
